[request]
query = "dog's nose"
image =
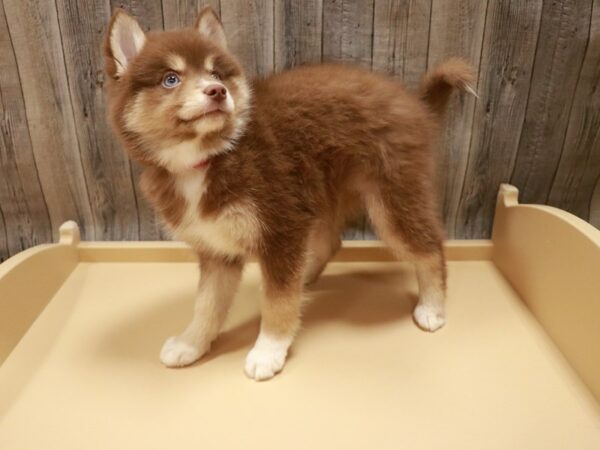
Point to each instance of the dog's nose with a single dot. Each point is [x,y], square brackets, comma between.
[216,91]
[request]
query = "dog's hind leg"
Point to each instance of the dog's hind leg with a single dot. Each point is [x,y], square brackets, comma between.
[407,223]
[323,243]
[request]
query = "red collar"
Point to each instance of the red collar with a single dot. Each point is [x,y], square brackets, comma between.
[202,164]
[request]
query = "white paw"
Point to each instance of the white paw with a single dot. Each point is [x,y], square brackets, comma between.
[177,353]
[429,318]
[262,363]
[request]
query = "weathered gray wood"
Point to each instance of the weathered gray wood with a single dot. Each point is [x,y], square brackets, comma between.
[504,81]
[401,38]
[183,13]
[107,169]
[563,39]
[579,168]
[149,15]
[348,31]
[36,40]
[535,125]
[147,12]
[4,252]
[23,211]
[298,32]
[249,29]
[456,30]
[595,205]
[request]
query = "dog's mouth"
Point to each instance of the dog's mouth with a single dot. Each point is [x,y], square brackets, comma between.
[210,114]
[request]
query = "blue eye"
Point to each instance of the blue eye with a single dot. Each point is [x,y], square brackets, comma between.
[171,80]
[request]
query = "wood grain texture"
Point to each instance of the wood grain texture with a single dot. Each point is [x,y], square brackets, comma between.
[147,12]
[594,217]
[348,31]
[183,13]
[4,251]
[23,211]
[401,38]
[579,167]
[150,17]
[249,29]
[536,123]
[564,35]
[107,169]
[504,84]
[456,30]
[36,39]
[298,32]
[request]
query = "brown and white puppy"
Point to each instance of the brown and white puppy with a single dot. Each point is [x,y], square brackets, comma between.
[272,170]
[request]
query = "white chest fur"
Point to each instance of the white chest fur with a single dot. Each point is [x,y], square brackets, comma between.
[234,231]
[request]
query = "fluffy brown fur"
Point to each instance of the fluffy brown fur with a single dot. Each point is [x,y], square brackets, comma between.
[280,172]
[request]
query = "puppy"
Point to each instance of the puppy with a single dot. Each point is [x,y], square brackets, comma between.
[272,169]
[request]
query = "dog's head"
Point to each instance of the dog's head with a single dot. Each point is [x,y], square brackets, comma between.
[176,97]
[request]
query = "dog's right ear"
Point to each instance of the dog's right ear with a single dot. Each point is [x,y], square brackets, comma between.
[123,42]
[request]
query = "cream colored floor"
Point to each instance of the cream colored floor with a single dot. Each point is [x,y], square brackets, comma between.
[360,376]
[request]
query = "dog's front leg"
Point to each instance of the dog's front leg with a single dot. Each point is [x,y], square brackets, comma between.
[219,280]
[280,309]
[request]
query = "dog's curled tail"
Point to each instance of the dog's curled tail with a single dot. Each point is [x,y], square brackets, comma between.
[438,84]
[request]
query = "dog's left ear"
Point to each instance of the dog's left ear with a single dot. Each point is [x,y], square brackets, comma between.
[209,26]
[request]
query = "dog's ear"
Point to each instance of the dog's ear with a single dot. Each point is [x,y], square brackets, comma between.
[209,26]
[123,42]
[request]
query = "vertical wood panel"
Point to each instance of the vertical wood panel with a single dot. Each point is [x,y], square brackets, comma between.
[4,252]
[579,167]
[147,12]
[456,30]
[595,204]
[298,32]
[183,13]
[149,15]
[249,29]
[23,211]
[107,169]
[36,39]
[348,31]
[563,39]
[509,46]
[401,38]
[536,124]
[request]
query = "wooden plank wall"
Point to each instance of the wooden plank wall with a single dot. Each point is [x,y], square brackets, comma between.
[536,123]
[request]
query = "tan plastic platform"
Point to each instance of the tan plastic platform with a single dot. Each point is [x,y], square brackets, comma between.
[516,367]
